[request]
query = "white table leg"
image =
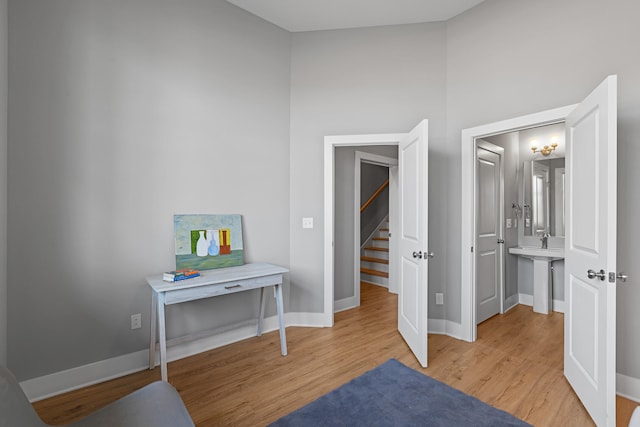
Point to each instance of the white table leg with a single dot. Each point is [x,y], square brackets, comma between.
[152,334]
[280,306]
[261,314]
[162,337]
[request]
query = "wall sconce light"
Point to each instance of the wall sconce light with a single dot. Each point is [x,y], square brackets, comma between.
[547,149]
[516,207]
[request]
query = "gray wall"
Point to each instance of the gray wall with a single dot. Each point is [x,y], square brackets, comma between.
[3,181]
[106,97]
[371,178]
[374,80]
[567,49]
[123,113]
[343,274]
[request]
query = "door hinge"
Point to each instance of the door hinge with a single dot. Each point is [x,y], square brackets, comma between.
[471,248]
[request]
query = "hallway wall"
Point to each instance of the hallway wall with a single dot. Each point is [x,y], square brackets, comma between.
[362,81]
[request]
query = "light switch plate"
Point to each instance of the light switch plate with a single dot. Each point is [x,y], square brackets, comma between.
[508,222]
[439,298]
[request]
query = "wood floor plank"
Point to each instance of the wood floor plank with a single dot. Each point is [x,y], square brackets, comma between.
[515,365]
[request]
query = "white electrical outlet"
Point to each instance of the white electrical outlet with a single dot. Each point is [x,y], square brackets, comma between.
[439,298]
[136,321]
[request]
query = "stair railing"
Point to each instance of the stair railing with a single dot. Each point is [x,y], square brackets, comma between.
[373,197]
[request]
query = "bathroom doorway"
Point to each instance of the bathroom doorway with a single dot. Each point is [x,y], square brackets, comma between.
[532,193]
[591,209]
[506,134]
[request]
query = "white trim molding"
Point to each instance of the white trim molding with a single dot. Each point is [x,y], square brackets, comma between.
[82,376]
[330,144]
[345,304]
[467,226]
[363,157]
[556,305]
[628,387]
[444,327]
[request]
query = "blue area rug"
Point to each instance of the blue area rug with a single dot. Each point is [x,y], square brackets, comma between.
[395,395]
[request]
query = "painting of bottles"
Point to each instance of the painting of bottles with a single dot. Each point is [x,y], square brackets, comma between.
[205,242]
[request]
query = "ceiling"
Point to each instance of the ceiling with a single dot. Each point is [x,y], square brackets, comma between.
[313,15]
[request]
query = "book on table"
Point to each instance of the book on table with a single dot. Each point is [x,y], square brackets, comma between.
[177,275]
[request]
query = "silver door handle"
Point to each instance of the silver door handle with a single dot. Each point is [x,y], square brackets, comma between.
[593,274]
[417,254]
[430,254]
[622,277]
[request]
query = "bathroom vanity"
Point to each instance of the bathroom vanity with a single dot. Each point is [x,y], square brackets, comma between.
[542,259]
[540,213]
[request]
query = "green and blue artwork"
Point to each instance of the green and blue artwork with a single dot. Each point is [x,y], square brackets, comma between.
[205,242]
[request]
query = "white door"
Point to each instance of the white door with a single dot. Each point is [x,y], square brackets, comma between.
[590,245]
[489,235]
[413,268]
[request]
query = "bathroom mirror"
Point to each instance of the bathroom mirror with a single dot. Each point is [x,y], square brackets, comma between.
[543,208]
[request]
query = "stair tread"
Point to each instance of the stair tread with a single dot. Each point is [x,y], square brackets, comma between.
[383,229]
[386,239]
[377,248]
[372,259]
[374,272]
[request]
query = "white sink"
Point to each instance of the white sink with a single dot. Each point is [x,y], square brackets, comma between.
[530,252]
[541,283]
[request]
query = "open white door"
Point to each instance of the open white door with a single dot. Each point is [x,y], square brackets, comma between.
[413,268]
[590,252]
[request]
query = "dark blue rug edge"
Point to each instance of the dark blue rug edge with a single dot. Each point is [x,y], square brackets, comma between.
[393,394]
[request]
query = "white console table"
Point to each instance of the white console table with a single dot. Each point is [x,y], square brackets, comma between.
[212,283]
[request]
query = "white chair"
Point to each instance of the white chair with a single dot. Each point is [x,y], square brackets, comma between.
[155,405]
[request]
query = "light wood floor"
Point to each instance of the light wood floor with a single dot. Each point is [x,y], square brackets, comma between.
[515,365]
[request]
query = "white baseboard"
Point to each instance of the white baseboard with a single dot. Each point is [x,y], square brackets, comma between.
[437,326]
[71,379]
[558,306]
[628,387]
[104,370]
[445,327]
[344,304]
[454,330]
[511,302]
[82,376]
[527,299]
[305,320]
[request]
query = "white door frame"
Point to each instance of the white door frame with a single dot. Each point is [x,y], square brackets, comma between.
[330,144]
[467,226]
[374,159]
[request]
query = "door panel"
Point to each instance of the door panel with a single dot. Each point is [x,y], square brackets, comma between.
[488,262]
[590,244]
[413,286]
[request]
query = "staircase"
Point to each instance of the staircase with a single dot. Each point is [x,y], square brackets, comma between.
[374,261]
